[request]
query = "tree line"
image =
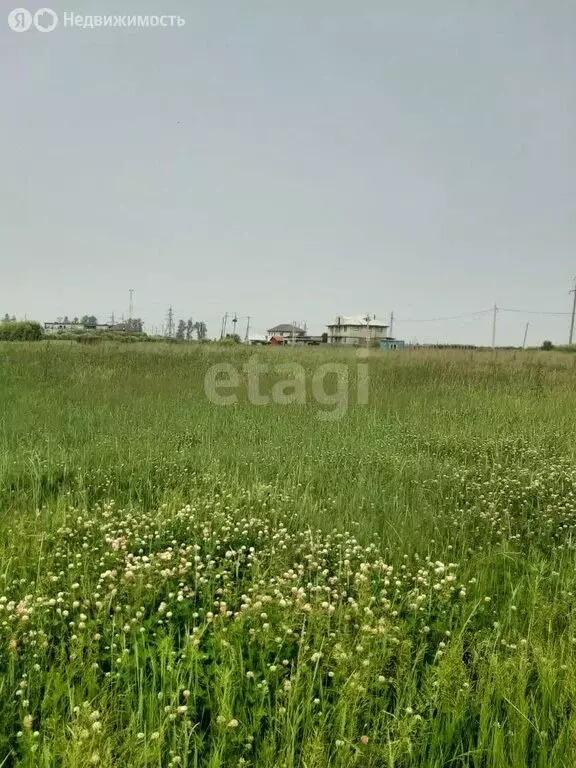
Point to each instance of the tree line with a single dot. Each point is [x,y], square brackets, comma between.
[187,328]
[11,329]
[134,325]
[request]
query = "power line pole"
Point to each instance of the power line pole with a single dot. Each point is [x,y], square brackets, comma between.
[170,319]
[573,313]
[224,324]
[525,335]
[367,318]
[391,325]
[247,336]
[494,327]
[131,306]
[234,321]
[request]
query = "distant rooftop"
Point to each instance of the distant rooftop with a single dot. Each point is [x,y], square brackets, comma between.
[286,328]
[358,321]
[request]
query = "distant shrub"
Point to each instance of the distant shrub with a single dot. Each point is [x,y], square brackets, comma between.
[123,338]
[547,345]
[20,331]
[566,348]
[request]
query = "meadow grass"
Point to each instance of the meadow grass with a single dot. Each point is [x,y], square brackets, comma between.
[189,584]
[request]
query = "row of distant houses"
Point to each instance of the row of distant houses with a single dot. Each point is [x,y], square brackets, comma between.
[355,331]
[66,327]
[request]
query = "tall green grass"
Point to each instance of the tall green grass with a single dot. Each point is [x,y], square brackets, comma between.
[406,571]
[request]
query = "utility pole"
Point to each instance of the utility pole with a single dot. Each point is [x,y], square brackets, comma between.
[525,335]
[131,306]
[247,336]
[293,325]
[367,318]
[234,321]
[170,322]
[224,325]
[573,313]
[494,327]
[391,325]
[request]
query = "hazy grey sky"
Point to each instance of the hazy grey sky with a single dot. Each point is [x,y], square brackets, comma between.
[294,161]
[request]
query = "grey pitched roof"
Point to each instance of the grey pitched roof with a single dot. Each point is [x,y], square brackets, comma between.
[285,328]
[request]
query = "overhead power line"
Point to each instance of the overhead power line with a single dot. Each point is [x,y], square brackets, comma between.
[478,313]
[531,312]
[440,319]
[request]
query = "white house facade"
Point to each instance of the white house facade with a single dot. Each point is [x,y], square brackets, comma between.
[285,331]
[356,330]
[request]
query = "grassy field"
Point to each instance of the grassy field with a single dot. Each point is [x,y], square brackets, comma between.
[187,584]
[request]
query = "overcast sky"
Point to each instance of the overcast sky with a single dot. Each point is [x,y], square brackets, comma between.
[295,161]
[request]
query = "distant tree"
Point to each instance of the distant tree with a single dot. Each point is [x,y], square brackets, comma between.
[6,318]
[89,320]
[181,332]
[13,319]
[201,330]
[189,329]
[75,320]
[14,331]
[547,345]
[66,319]
[136,325]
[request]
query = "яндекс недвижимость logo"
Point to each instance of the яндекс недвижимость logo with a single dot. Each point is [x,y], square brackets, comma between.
[46,20]
[21,20]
